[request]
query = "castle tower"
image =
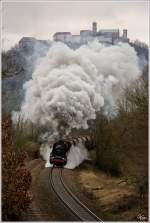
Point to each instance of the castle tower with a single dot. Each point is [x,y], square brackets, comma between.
[94,28]
[124,33]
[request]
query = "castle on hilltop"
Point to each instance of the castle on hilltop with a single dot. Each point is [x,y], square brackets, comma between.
[105,36]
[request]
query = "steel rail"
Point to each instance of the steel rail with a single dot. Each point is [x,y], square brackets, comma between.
[79,201]
[53,185]
[80,210]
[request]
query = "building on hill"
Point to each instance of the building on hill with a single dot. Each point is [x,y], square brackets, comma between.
[94,28]
[62,36]
[105,36]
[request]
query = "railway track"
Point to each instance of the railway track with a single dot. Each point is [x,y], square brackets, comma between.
[68,198]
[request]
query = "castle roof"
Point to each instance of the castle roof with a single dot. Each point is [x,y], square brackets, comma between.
[109,30]
[62,33]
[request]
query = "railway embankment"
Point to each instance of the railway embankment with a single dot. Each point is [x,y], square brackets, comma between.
[106,196]
[115,197]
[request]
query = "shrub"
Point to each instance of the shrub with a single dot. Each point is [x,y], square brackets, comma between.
[25,137]
[106,146]
[122,142]
[16,179]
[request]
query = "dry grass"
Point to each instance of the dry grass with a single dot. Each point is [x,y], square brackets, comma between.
[122,142]
[116,197]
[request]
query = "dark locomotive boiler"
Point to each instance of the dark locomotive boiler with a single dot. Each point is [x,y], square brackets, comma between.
[58,156]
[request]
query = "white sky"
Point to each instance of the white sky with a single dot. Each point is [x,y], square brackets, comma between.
[42,19]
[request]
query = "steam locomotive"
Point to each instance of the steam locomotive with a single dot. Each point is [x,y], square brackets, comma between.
[58,156]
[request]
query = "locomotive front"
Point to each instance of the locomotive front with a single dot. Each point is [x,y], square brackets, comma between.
[58,156]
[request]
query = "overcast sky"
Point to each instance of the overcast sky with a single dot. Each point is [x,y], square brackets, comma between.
[42,19]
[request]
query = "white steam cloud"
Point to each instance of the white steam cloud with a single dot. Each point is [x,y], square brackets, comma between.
[72,85]
[69,86]
[76,155]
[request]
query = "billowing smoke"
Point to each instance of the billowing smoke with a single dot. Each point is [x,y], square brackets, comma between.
[45,151]
[69,86]
[76,155]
